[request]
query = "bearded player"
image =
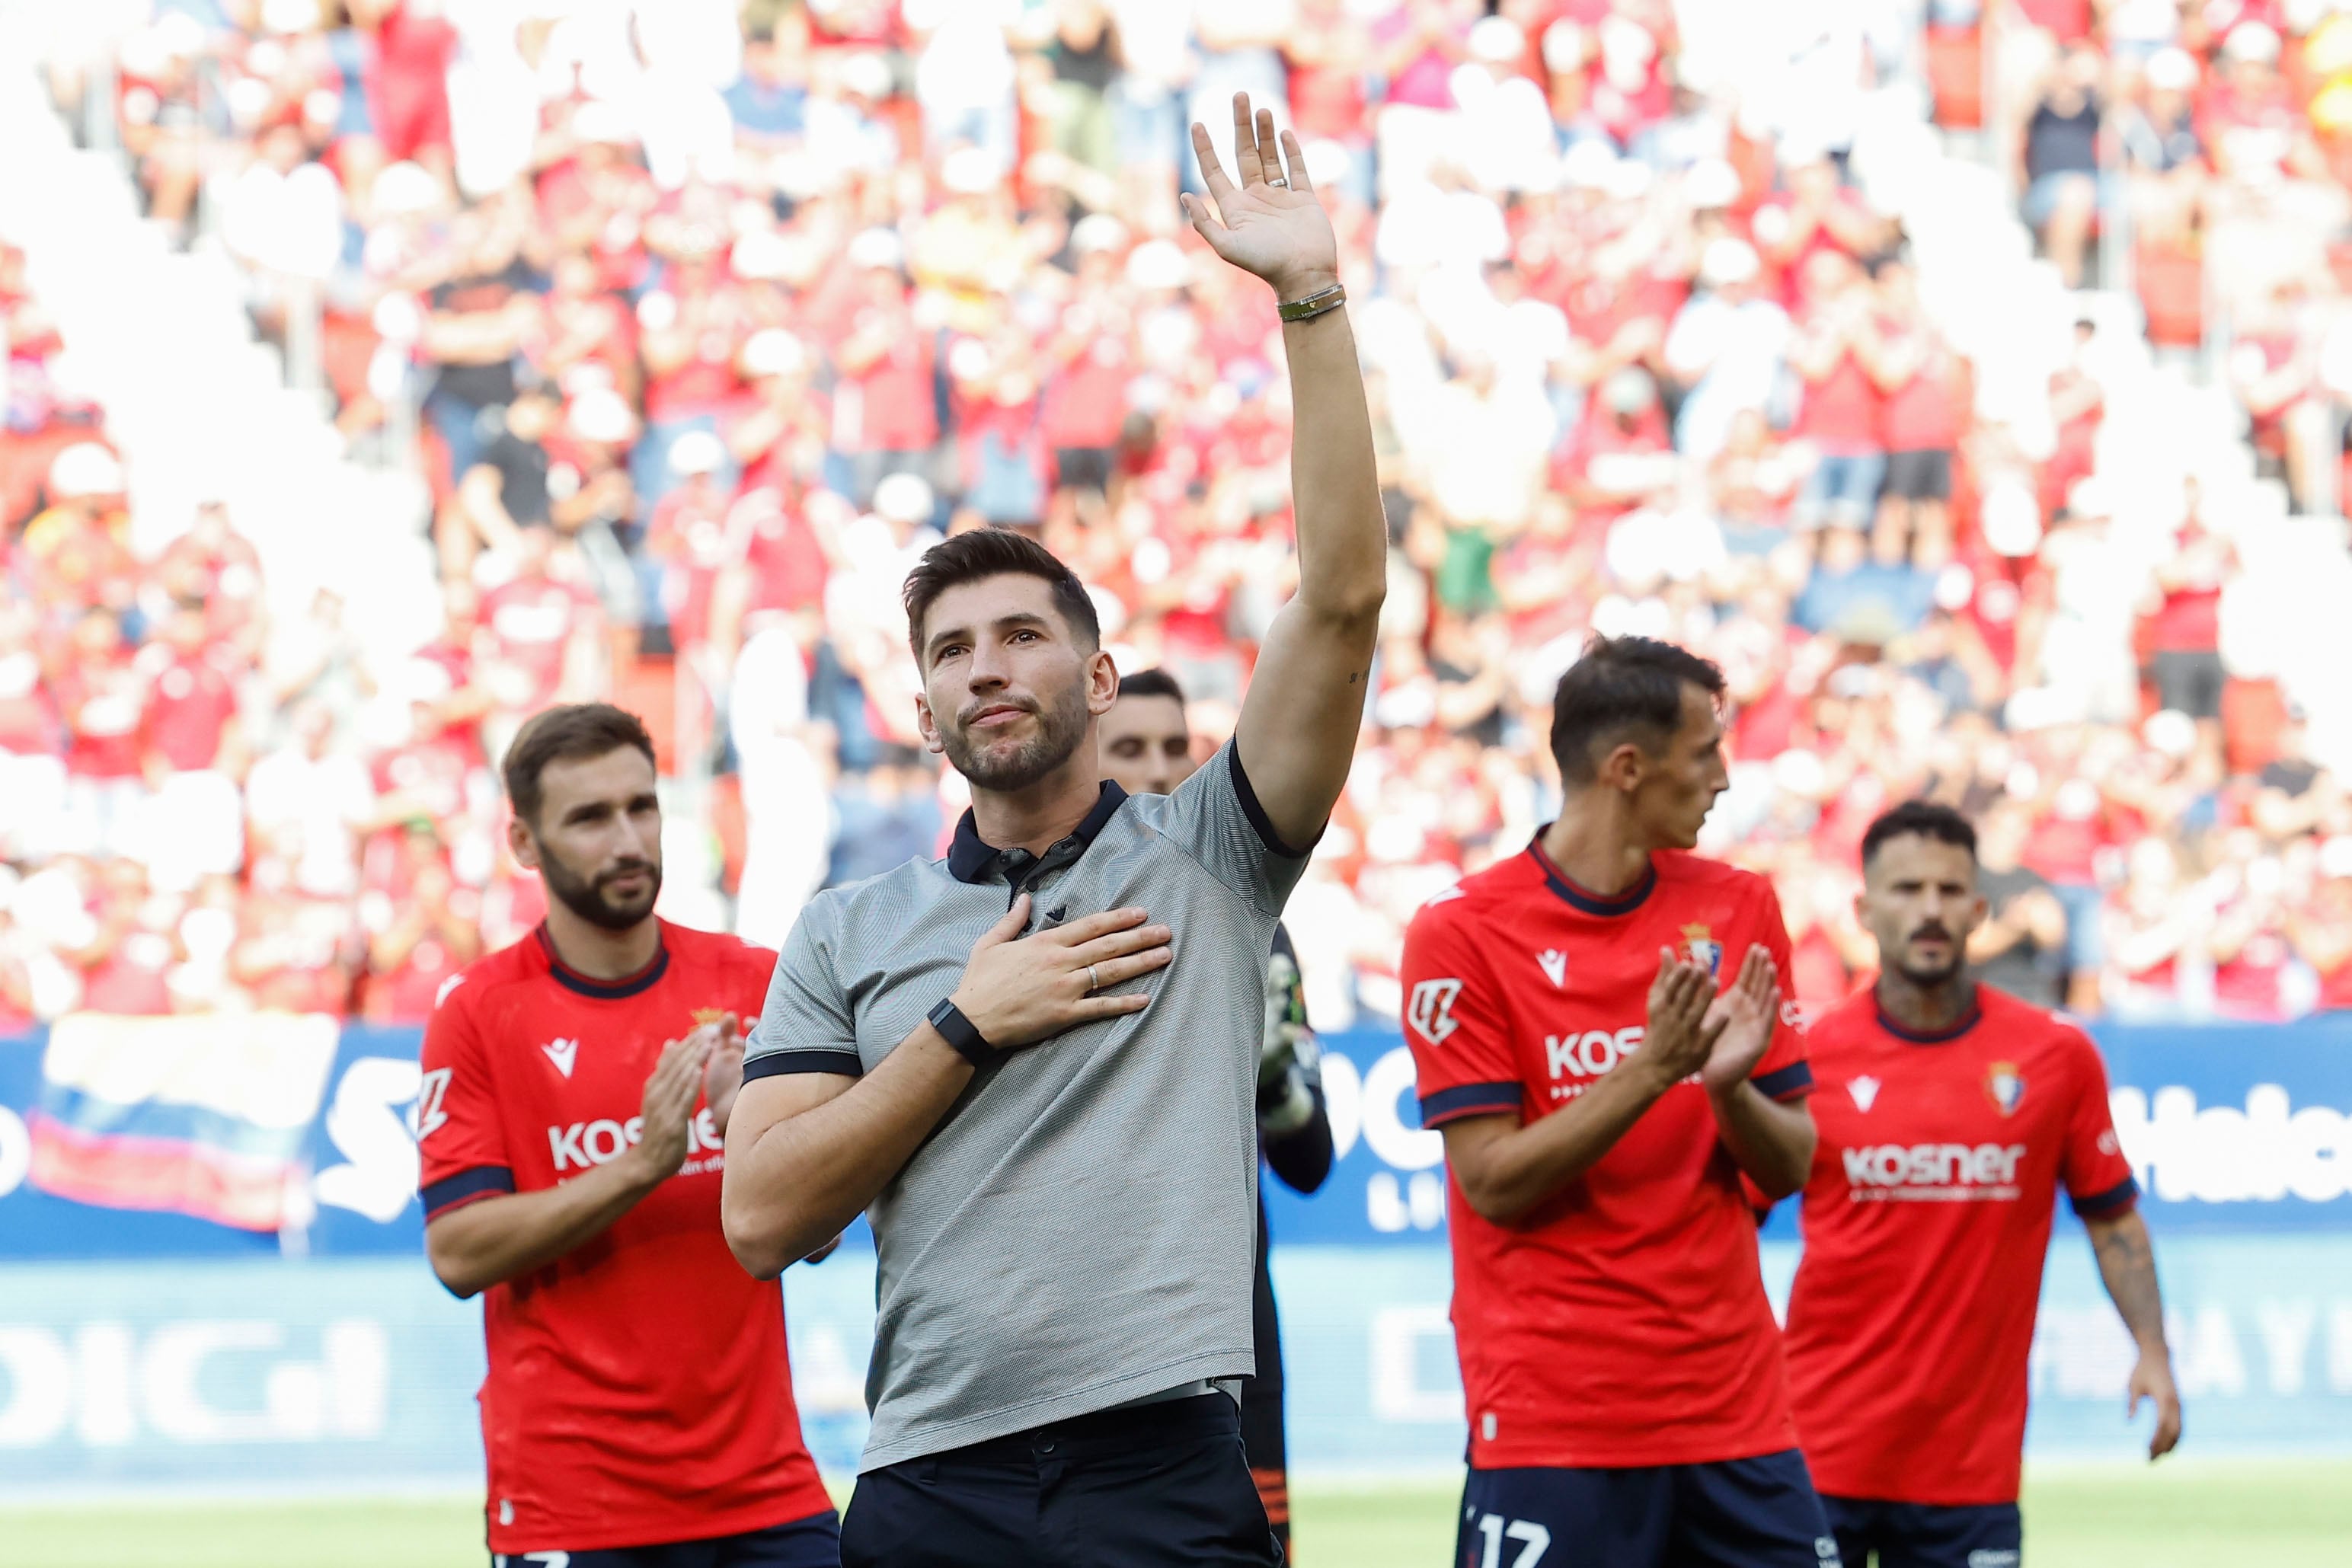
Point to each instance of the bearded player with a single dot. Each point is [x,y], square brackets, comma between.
[1601,1099]
[1950,1117]
[638,1410]
[1146,749]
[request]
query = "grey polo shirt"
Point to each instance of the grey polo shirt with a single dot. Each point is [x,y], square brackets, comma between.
[1076,1232]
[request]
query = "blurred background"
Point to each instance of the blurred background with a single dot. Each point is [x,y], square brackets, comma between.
[1970,381]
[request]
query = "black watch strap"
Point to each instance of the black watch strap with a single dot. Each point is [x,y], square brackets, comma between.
[958,1031]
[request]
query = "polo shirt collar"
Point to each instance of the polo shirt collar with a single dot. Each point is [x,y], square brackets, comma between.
[971,860]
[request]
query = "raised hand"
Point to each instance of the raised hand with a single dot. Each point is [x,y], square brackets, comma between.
[671,1090]
[1682,1025]
[723,1071]
[1747,1011]
[1017,990]
[1271,223]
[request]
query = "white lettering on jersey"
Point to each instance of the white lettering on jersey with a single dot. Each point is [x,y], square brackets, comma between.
[1592,1052]
[1555,966]
[430,1092]
[562,1053]
[1431,1011]
[1865,1091]
[1933,1172]
[583,1144]
[1448,897]
[451,984]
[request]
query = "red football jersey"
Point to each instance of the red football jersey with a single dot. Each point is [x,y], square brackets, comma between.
[1624,1322]
[638,1392]
[1926,1218]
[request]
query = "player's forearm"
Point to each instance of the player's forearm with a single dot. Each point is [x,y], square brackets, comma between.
[2128,1269]
[1507,1175]
[1773,1142]
[496,1239]
[1334,479]
[798,1180]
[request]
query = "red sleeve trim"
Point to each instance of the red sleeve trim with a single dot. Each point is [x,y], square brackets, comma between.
[466,1187]
[1793,1082]
[2119,1199]
[1469,1100]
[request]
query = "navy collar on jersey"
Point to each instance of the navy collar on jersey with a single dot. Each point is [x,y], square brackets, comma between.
[971,860]
[572,979]
[1584,898]
[1970,1016]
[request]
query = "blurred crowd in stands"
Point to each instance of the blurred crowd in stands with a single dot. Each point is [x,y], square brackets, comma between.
[703,321]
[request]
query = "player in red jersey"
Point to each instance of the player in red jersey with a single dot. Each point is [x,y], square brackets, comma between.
[1951,1115]
[1600,1101]
[638,1411]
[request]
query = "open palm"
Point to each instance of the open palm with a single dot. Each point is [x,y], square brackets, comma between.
[1751,1008]
[1271,224]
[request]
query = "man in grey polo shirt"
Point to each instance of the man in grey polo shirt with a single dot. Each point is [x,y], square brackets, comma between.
[1033,1064]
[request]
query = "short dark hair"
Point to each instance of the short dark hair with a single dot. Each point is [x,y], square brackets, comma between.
[1622,687]
[1151,684]
[995,552]
[1923,820]
[572,733]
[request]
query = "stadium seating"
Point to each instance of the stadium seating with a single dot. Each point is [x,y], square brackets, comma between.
[810,285]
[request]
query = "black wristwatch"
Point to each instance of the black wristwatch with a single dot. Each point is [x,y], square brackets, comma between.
[959,1031]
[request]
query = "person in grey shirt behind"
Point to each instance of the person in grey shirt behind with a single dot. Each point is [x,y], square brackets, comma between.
[1033,1063]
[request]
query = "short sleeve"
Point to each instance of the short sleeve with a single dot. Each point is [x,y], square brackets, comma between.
[1455,1022]
[1214,816]
[2098,1177]
[461,1148]
[805,1025]
[1784,1074]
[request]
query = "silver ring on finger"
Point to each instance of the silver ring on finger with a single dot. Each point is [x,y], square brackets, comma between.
[1279,180]
[1094,983]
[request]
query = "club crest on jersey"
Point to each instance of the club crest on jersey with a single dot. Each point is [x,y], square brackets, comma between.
[709,1015]
[2005,1086]
[562,1053]
[1554,966]
[1865,1091]
[1700,943]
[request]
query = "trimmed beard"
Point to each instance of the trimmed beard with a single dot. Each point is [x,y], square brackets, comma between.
[1061,726]
[586,897]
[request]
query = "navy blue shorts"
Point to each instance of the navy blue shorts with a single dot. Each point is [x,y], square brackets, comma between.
[1733,1513]
[1926,1536]
[811,1542]
[1153,1486]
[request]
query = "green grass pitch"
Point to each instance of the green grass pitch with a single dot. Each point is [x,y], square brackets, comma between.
[2181,1514]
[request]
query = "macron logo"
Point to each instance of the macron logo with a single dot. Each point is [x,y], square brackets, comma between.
[1554,966]
[561,1052]
[1865,1091]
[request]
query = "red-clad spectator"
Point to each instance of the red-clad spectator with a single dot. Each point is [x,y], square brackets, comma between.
[2250,123]
[126,968]
[689,537]
[2250,953]
[29,722]
[1839,417]
[1919,423]
[2183,606]
[1816,214]
[591,333]
[295,951]
[1089,359]
[217,565]
[409,93]
[596,201]
[73,554]
[884,418]
[421,928]
[101,696]
[191,700]
[2321,929]
[2273,370]
[541,628]
[1417,46]
[1620,455]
